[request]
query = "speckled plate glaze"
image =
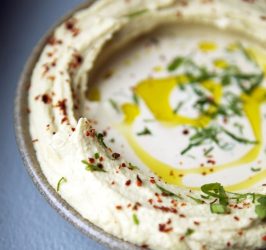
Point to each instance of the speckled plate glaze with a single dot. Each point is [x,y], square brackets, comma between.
[28,154]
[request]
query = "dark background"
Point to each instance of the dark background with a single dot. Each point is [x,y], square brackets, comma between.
[26,219]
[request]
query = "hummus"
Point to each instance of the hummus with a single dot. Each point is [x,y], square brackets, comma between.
[206,89]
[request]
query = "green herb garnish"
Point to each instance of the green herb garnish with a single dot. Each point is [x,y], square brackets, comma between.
[255,169]
[135,219]
[101,140]
[62,180]
[199,201]
[135,99]
[210,135]
[136,13]
[114,105]
[208,151]
[97,155]
[132,167]
[260,209]
[145,131]
[189,232]
[93,167]
[216,190]
[168,193]
[178,107]
[219,209]
[175,63]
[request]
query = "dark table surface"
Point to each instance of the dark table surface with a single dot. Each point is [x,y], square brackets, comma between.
[26,219]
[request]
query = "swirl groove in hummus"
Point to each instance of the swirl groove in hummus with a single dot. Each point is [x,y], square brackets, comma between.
[130,203]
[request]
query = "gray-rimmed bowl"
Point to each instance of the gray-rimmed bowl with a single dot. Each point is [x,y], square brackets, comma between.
[31,163]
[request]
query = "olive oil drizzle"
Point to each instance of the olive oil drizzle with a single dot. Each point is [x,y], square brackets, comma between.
[163,112]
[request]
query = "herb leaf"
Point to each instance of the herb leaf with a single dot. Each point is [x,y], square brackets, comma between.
[101,140]
[189,232]
[219,209]
[93,167]
[114,105]
[175,63]
[136,13]
[135,219]
[62,180]
[145,131]
[168,193]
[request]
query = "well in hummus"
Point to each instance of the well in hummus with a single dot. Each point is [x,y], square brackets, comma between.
[152,127]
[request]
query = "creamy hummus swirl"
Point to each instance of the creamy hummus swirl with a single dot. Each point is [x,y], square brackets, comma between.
[62,138]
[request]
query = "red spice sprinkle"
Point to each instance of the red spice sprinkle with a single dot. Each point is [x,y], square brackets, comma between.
[150,201]
[139,181]
[123,165]
[73,129]
[169,221]
[264,237]
[118,207]
[53,41]
[136,206]
[91,160]
[163,228]
[166,209]
[116,155]
[196,223]
[182,216]
[76,61]
[185,132]
[46,99]
[240,233]
[62,106]
[228,244]
[152,181]
[182,238]
[211,161]
[64,119]
[144,246]
[112,183]
[101,159]
[35,140]
[263,18]
[128,182]
[236,218]
[71,26]
[88,133]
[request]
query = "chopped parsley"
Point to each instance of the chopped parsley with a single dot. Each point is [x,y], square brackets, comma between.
[145,131]
[136,13]
[114,105]
[132,167]
[208,151]
[260,208]
[168,193]
[101,140]
[93,167]
[135,99]
[178,107]
[175,63]
[220,205]
[211,135]
[199,201]
[255,169]
[189,232]
[135,219]
[97,155]
[62,180]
